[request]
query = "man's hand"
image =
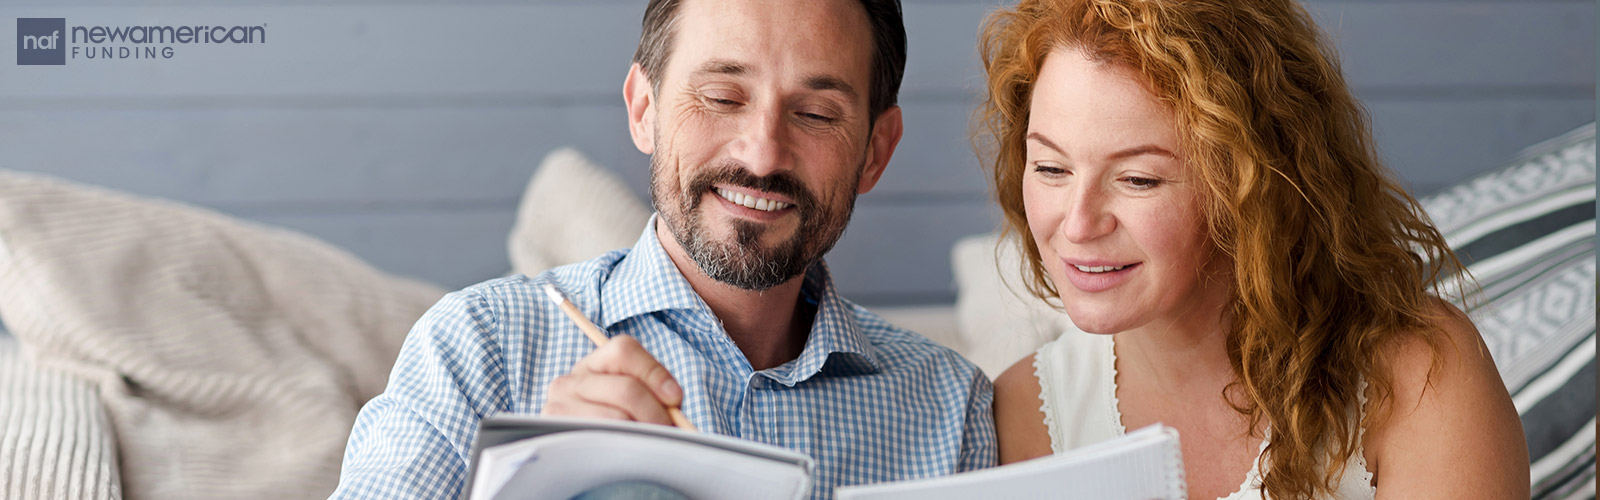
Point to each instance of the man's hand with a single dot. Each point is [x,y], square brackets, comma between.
[619,381]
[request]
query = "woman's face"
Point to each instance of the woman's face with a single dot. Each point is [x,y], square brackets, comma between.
[1112,207]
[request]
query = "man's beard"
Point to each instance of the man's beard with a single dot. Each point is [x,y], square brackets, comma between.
[744,263]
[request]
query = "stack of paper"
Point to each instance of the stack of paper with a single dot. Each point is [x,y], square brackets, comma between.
[521,457]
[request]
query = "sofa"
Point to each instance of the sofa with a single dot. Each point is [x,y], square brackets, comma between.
[164,351]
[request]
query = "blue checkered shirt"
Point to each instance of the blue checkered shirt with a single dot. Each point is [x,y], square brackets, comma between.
[869,401]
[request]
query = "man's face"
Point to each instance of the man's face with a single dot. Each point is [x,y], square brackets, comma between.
[759,133]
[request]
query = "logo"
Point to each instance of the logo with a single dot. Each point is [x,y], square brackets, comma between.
[49,41]
[41,41]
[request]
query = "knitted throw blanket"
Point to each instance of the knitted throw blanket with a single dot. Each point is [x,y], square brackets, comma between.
[231,358]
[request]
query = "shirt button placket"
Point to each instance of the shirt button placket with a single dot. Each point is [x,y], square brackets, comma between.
[752,414]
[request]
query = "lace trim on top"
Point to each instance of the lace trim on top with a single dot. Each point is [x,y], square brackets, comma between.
[1361,436]
[1046,390]
[1252,479]
[1111,389]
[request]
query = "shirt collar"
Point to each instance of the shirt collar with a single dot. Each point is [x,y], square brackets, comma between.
[647,281]
[644,282]
[837,343]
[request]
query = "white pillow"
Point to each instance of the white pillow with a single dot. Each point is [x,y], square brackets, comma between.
[572,211]
[1000,322]
[231,357]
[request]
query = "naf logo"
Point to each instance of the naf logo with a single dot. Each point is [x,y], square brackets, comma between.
[41,41]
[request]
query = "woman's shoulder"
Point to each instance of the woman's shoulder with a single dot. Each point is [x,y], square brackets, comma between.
[1018,385]
[1442,367]
[1020,421]
[1443,387]
[1054,397]
[1447,350]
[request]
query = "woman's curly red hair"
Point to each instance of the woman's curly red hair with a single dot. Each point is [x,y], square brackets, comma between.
[1331,257]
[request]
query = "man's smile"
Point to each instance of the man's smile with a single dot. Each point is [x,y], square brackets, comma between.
[753,204]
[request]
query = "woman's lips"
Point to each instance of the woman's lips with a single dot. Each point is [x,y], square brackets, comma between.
[1092,282]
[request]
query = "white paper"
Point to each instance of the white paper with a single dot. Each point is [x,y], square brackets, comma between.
[562,465]
[1142,465]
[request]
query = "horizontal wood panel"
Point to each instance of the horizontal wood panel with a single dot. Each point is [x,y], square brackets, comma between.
[312,156]
[353,51]
[1431,145]
[1424,44]
[429,50]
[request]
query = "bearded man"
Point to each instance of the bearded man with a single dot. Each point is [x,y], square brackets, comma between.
[763,121]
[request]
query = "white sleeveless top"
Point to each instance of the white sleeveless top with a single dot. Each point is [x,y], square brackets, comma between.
[1078,393]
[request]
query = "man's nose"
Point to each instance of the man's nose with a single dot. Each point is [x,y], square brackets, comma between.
[763,144]
[1089,214]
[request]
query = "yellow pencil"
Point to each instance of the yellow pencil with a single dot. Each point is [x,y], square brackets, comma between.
[599,338]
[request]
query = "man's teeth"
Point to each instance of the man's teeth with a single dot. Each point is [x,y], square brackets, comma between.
[748,201]
[1099,269]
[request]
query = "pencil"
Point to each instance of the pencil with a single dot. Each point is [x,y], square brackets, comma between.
[599,338]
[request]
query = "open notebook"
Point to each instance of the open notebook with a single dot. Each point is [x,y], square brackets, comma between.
[525,457]
[1141,465]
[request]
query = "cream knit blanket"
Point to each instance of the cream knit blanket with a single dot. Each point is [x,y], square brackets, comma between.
[53,434]
[231,358]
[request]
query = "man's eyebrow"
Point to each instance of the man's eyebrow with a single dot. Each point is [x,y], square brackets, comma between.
[1144,149]
[722,67]
[834,83]
[813,82]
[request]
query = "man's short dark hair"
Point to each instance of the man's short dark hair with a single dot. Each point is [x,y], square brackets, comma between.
[888,52]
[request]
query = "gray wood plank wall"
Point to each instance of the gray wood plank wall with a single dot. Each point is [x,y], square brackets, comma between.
[405,131]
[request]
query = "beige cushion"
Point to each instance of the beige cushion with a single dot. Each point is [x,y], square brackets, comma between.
[572,211]
[999,321]
[231,357]
[936,322]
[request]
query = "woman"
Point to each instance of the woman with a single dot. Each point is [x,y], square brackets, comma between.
[1195,182]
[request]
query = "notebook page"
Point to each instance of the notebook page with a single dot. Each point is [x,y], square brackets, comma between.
[1144,464]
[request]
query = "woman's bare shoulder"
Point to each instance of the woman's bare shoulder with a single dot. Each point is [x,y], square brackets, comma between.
[1456,358]
[1019,421]
[1448,424]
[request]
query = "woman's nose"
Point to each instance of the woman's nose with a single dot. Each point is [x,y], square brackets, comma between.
[1088,215]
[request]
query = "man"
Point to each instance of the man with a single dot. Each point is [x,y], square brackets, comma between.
[763,120]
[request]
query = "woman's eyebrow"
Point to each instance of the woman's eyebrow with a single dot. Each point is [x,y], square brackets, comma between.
[1143,149]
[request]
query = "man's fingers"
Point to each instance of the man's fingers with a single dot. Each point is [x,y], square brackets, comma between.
[623,355]
[625,393]
[566,409]
[621,397]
